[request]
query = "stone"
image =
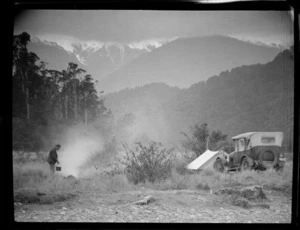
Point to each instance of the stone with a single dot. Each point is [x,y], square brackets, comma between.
[262,205]
[251,192]
[146,200]
[241,202]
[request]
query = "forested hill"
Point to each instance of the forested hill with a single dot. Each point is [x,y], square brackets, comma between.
[248,98]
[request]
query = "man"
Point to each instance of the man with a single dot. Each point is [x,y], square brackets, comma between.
[52,158]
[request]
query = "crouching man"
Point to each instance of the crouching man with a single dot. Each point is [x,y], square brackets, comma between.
[52,158]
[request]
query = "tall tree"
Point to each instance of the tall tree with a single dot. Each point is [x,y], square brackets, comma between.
[72,75]
[90,100]
[24,67]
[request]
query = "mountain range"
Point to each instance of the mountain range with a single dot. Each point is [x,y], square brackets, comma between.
[99,61]
[248,98]
[180,62]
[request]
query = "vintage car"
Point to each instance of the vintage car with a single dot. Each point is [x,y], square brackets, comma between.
[253,150]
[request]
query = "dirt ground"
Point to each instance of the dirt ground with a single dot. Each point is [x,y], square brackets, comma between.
[168,206]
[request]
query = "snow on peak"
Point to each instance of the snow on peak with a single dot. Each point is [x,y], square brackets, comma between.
[150,43]
[81,59]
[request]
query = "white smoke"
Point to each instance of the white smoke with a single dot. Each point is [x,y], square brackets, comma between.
[77,147]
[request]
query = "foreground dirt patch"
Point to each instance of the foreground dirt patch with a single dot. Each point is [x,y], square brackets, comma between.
[164,206]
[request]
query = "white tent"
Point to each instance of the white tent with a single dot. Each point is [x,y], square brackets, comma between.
[206,160]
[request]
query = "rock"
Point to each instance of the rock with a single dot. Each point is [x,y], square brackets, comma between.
[251,192]
[241,202]
[146,200]
[71,178]
[262,205]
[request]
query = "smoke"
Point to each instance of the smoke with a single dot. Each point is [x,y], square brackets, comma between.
[146,128]
[78,144]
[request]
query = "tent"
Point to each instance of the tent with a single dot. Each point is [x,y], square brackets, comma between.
[206,160]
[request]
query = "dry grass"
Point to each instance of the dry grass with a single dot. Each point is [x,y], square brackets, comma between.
[32,178]
[30,174]
[208,180]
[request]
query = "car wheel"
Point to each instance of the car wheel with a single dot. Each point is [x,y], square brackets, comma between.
[268,158]
[245,164]
[218,166]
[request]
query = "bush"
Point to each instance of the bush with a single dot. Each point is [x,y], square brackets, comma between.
[201,186]
[152,163]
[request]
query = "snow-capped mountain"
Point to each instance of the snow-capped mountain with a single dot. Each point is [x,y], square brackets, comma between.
[177,62]
[98,59]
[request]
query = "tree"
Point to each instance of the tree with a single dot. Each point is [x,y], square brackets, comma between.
[198,142]
[89,97]
[55,88]
[217,140]
[202,139]
[24,68]
[50,100]
[70,91]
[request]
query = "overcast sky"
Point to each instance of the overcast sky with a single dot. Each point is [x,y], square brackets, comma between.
[125,27]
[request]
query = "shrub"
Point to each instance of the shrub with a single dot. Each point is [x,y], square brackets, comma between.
[201,186]
[152,163]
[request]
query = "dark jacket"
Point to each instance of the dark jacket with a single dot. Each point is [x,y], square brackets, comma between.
[52,157]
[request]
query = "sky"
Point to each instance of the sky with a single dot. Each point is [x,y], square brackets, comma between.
[140,27]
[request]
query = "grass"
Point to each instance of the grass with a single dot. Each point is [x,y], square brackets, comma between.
[32,180]
[29,174]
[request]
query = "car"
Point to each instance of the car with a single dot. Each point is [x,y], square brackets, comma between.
[253,150]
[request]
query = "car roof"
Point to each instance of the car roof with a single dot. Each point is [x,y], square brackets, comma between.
[249,134]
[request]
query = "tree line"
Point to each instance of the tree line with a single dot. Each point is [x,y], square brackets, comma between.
[42,95]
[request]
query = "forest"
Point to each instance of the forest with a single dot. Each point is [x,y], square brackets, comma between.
[46,101]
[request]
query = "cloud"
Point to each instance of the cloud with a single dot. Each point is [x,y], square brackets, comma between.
[70,43]
[278,41]
[66,42]
[144,44]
